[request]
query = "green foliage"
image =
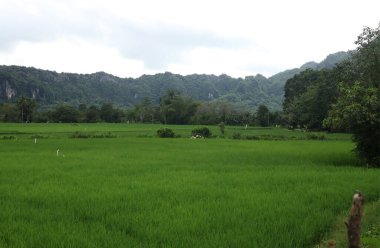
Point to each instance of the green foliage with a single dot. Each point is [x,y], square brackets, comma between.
[104,135]
[88,135]
[8,137]
[262,116]
[309,95]
[110,114]
[50,88]
[26,108]
[239,136]
[217,112]
[358,110]
[236,136]
[65,114]
[165,133]
[366,60]
[313,136]
[205,132]
[358,105]
[144,112]
[176,109]
[39,136]
[9,113]
[80,135]
[92,114]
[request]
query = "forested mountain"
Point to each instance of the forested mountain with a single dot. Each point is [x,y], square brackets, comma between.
[51,88]
[278,80]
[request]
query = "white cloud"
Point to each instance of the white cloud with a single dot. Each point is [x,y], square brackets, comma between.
[75,56]
[130,38]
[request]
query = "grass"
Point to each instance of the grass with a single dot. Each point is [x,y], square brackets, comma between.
[370,229]
[150,192]
[124,130]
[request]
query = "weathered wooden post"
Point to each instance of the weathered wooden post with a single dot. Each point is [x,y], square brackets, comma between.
[353,223]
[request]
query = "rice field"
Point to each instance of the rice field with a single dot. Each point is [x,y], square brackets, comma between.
[137,190]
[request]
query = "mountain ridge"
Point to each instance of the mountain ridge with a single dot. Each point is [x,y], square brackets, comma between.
[51,88]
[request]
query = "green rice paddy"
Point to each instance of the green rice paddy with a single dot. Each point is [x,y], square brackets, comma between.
[137,190]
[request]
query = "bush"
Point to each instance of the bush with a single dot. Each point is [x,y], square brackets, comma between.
[39,136]
[80,135]
[252,137]
[104,135]
[85,135]
[314,136]
[10,137]
[165,133]
[203,131]
[237,136]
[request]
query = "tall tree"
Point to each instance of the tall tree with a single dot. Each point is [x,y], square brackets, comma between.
[144,111]
[9,113]
[92,114]
[176,109]
[110,114]
[367,57]
[262,116]
[66,114]
[26,107]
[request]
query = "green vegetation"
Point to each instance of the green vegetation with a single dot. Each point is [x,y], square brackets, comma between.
[262,116]
[345,98]
[113,185]
[165,133]
[51,88]
[358,109]
[173,109]
[201,131]
[310,94]
[149,192]
[26,108]
[124,130]
[370,229]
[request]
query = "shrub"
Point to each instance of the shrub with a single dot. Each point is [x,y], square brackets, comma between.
[85,135]
[10,137]
[252,137]
[165,133]
[314,136]
[39,136]
[203,131]
[104,135]
[80,135]
[237,136]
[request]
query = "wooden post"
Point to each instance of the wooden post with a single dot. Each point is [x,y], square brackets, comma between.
[353,223]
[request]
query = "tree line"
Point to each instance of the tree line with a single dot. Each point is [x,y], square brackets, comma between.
[173,108]
[345,98]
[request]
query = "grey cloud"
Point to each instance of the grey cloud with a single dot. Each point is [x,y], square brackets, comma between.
[155,45]
[159,46]
[50,24]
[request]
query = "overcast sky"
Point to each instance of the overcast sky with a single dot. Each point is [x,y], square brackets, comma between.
[131,38]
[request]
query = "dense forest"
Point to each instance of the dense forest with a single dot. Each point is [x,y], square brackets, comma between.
[50,88]
[173,108]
